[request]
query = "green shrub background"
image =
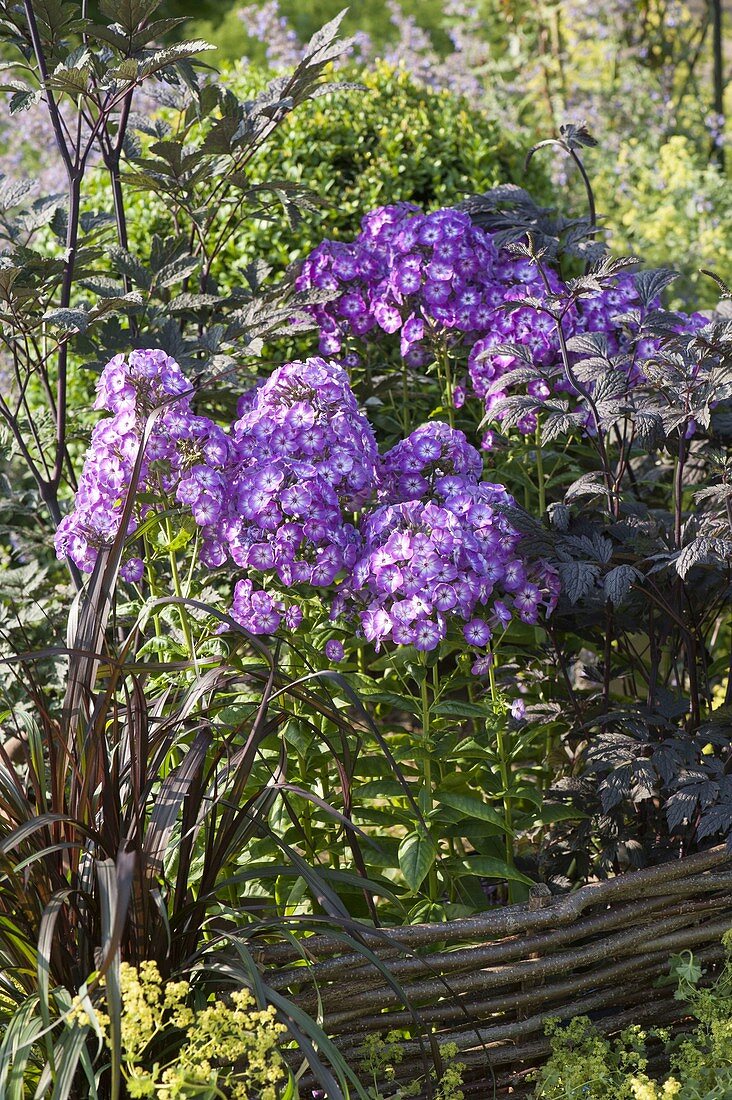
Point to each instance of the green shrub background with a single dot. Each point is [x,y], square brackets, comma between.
[392,140]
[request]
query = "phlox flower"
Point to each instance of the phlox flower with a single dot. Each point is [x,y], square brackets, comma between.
[334,650]
[182,458]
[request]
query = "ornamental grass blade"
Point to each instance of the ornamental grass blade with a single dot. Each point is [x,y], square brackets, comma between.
[46,935]
[68,1056]
[18,942]
[22,1034]
[115,888]
[133,767]
[310,1038]
[316,800]
[109,911]
[326,898]
[91,1077]
[62,846]
[25,831]
[229,832]
[257,871]
[169,801]
[246,821]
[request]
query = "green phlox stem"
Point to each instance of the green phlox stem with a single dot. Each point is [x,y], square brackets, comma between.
[503,765]
[427,765]
[540,478]
[150,573]
[194,562]
[443,362]
[178,589]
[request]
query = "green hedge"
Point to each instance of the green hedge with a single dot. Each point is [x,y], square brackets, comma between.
[390,141]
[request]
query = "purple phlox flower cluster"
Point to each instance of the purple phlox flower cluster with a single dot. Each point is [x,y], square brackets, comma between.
[304,460]
[406,272]
[183,458]
[284,517]
[429,278]
[535,332]
[351,271]
[616,313]
[307,412]
[526,326]
[446,553]
[262,612]
[440,283]
[278,495]
[139,383]
[432,461]
[426,564]
[434,548]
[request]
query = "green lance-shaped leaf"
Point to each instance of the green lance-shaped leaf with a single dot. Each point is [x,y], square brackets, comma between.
[474,808]
[417,853]
[487,867]
[458,708]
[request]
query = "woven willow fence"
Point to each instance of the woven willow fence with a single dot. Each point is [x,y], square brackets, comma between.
[489,983]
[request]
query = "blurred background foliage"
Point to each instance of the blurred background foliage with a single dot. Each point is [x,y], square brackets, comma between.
[641,72]
[398,142]
[221,21]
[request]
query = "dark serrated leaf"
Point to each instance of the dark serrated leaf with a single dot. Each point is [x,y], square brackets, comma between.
[24,100]
[183,302]
[68,320]
[651,284]
[591,484]
[578,579]
[618,583]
